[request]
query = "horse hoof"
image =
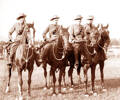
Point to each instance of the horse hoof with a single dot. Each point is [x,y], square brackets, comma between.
[104,90]
[86,95]
[64,89]
[91,92]
[51,88]
[16,99]
[28,97]
[20,98]
[72,86]
[45,88]
[7,89]
[54,95]
[71,89]
[95,94]
[60,94]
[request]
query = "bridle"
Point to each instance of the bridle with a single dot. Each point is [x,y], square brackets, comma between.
[27,58]
[63,52]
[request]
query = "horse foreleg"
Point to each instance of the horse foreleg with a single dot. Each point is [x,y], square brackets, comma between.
[50,78]
[70,72]
[54,80]
[20,83]
[60,78]
[63,75]
[102,75]
[78,72]
[45,74]
[85,68]
[93,67]
[64,83]
[9,77]
[29,80]
[76,53]
[79,69]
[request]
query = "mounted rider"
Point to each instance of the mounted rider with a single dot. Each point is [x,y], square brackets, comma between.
[76,30]
[53,30]
[23,35]
[91,31]
[76,36]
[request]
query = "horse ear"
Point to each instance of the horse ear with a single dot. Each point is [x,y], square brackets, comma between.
[107,25]
[98,25]
[67,28]
[101,25]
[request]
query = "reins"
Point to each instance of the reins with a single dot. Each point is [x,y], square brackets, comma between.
[63,54]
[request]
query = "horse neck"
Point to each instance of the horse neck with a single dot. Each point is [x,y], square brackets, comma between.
[84,50]
[59,47]
[37,57]
[59,43]
[101,43]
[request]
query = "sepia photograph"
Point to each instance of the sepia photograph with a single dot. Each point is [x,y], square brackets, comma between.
[59,50]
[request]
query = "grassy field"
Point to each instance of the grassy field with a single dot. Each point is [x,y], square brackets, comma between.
[112,84]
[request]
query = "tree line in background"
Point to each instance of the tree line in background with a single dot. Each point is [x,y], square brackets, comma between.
[115,42]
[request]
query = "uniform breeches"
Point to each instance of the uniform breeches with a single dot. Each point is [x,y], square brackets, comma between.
[13,50]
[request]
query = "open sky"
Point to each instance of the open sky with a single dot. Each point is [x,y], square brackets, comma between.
[40,11]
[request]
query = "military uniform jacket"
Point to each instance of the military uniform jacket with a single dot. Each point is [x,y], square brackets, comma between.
[20,30]
[92,33]
[76,32]
[52,30]
[89,29]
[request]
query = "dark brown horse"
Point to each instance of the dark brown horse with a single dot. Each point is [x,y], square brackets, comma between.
[80,50]
[70,49]
[76,49]
[98,58]
[24,59]
[54,54]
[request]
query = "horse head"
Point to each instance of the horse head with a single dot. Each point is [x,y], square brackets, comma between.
[62,43]
[37,55]
[95,35]
[65,34]
[104,33]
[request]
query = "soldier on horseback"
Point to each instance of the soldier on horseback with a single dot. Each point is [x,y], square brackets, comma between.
[22,30]
[52,29]
[91,32]
[76,36]
[90,29]
[77,30]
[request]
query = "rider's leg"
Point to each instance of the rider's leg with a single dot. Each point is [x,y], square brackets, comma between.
[12,53]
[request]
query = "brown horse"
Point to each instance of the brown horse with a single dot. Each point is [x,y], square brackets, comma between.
[24,59]
[70,49]
[54,54]
[98,58]
[74,52]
